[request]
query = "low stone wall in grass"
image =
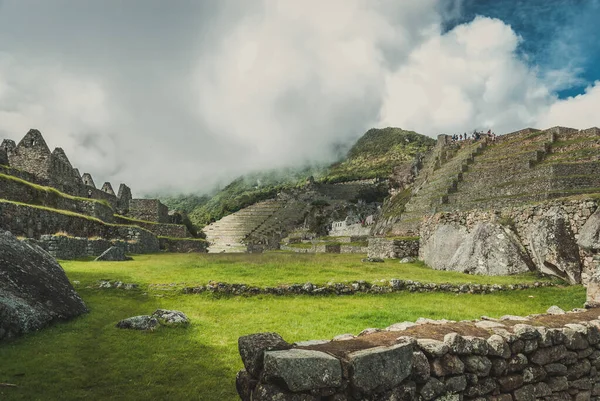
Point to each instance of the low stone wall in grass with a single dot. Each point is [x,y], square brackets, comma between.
[359,287]
[549,357]
[397,248]
[182,245]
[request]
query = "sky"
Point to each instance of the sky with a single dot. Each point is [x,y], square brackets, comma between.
[185,95]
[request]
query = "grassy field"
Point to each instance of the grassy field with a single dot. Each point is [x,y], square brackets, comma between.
[269,269]
[88,358]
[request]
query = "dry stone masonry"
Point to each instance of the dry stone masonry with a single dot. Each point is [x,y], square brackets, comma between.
[543,357]
[42,194]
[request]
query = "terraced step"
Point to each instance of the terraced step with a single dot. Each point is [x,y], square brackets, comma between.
[229,233]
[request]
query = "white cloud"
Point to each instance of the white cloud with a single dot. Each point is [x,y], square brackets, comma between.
[465,79]
[577,112]
[221,90]
[288,81]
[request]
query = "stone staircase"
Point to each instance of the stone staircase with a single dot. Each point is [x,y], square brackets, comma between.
[279,224]
[228,234]
[440,176]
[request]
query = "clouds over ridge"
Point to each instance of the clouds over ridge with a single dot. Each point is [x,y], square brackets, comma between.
[187,96]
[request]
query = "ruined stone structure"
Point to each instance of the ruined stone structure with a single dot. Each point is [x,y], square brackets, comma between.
[149,210]
[488,207]
[70,203]
[548,357]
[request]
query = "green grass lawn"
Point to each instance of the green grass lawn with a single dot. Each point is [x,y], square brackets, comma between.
[88,358]
[269,269]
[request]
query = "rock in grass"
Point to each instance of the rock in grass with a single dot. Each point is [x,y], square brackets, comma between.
[555,310]
[408,259]
[34,289]
[114,253]
[143,322]
[171,318]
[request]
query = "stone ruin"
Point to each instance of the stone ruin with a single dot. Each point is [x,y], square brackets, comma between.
[32,161]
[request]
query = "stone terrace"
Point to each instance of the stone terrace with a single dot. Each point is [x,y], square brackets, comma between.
[228,234]
[439,176]
[529,167]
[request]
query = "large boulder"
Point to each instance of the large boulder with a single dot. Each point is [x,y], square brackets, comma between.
[491,249]
[589,235]
[553,248]
[437,250]
[34,289]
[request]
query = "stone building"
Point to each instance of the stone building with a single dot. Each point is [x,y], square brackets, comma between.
[32,155]
[149,210]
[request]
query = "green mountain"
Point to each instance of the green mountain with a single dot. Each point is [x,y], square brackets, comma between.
[376,153]
[373,156]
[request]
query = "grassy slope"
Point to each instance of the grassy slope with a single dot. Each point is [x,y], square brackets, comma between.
[90,359]
[377,152]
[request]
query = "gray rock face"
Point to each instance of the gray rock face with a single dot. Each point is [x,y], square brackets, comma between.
[302,370]
[34,290]
[142,322]
[553,247]
[114,253]
[437,250]
[492,250]
[589,235]
[489,249]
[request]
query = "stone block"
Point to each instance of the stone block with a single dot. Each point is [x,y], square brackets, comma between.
[252,348]
[380,368]
[302,370]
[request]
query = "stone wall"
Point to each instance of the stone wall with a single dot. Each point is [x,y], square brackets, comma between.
[3,157]
[544,236]
[552,357]
[63,247]
[20,191]
[160,229]
[69,248]
[353,249]
[33,222]
[61,174]
[149,210]
[351,229]
[393,248]
[183,245]
[32,155]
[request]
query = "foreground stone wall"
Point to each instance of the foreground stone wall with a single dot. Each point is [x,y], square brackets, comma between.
[33,222]
[560,238]
[553,357]
[392,248]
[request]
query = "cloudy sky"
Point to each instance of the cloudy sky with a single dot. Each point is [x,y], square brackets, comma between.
[183,95]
